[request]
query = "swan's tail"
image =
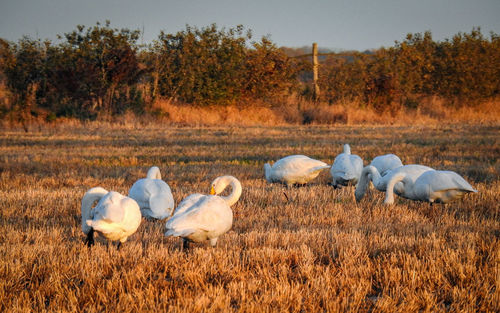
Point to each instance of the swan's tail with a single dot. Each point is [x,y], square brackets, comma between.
[267,171]
[154,173]
[319,168]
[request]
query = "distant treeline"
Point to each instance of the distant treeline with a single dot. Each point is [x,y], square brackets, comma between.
[100,69]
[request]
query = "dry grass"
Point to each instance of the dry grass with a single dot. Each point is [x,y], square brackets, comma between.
[318,252]
[293,111]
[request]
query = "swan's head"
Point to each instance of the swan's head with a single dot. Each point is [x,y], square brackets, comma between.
[215,188]
[359,194]
[347,149]
[220,183]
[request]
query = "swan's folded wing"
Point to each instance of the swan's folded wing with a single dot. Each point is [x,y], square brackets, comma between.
[209,214]
[187,203]
[385,163]
[138,190]
[318,168]
[161,206]
[303,165]
[180,232]
[446,180]
[460,182]
[214,214]
[347,166]
[113,209]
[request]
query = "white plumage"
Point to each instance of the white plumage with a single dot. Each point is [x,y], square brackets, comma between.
[346,168]
[200,217]
[153,195]
[115,216]
[294,169]
[431,186]
[386,162]
[371,173]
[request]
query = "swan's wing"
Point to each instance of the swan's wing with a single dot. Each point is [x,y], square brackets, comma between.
[112,207]
[180,232]
[298,165]
[187,203]
[446,180]
[140,193]
[413,171]
[210,214]
[161,205]
[214,214]
[161,201]
[347,166]
[385,163]
[317,169]
[291,158]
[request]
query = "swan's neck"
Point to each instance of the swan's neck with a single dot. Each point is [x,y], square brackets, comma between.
[267,170]
[235,189]
[375,175]
[364,181]
[154,173]
[90,197]
[347,149]
[389,193]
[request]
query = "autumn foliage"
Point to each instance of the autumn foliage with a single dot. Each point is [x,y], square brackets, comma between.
[102,70]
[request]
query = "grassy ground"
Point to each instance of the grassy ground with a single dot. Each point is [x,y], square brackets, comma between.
[320,251]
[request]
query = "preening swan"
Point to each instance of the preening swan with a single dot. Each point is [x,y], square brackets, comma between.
[371,173]
[115,216]
[294,169]
[200,217]
[431,186]
[153,195]
[386,162]
[346,168]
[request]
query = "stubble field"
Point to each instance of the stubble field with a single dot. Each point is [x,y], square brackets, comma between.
[318,251]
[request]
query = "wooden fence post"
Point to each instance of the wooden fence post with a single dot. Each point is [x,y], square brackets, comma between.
[315,70]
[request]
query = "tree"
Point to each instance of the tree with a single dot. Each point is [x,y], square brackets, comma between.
[94,67]
[23,65]
[270,73]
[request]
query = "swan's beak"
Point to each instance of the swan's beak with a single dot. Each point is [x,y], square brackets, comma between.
[212,190]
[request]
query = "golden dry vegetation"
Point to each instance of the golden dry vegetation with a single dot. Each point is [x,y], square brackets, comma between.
[319,251]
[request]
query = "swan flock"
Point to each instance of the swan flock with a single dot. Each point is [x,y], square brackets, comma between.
[206,217]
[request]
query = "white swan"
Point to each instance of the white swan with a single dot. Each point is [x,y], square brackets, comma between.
[371,173]
[115,216]
[294,169]
[386,162]
[431,186]
[346,168]
[153,195]
[205,217]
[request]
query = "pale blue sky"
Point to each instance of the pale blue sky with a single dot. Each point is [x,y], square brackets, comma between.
[336,24]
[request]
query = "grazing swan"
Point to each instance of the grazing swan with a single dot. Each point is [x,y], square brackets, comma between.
[370,173]
[294,169]
[205,217]
[153,195]
[386,162]
[115,216]
[431,186]
[346,168]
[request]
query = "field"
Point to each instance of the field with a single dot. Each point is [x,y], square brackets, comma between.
[317,251]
